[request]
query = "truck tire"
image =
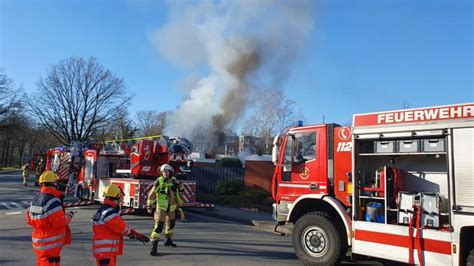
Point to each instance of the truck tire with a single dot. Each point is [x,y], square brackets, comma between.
[317,240]
[79,192]
[85,194]
[470,258]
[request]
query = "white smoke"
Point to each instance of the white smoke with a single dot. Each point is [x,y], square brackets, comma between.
[238,43]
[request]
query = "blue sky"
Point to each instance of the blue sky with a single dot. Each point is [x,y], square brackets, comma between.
[361,56]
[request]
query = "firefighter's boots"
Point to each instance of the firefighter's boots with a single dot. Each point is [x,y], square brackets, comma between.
[154,248]
[169,243]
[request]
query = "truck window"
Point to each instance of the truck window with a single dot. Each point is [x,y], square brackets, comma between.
[305,147]
[287,157]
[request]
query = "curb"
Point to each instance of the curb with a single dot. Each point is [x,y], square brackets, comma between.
[8,172]
[269,226]
[273,227]
[212,213]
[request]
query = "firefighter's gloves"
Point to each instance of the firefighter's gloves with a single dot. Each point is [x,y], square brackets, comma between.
[139,237]
[176,184]
[149,209]
[69,216]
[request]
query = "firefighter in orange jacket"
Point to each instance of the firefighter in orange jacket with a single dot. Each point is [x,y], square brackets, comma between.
[109,229]
[50,223]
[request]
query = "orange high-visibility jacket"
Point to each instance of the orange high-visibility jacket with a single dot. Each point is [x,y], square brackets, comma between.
[50,224]
[109,229]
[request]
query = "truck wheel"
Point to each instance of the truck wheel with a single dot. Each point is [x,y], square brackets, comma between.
[79,192]
[85,194]
[470,258]
[317,240]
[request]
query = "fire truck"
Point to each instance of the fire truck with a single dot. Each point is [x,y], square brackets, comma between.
[397,185]
[132,164]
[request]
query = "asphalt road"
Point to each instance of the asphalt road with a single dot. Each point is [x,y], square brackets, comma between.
[201,240]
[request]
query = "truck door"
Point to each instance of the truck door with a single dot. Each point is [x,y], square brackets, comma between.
[301,165]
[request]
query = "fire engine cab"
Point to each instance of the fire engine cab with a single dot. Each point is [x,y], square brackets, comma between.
[397,185]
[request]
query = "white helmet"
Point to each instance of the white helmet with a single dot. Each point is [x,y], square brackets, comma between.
[166,167]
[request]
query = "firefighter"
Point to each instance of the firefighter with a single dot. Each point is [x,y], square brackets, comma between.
[49,221]
[109,229]
[38,171]
[166,192]
[26,173]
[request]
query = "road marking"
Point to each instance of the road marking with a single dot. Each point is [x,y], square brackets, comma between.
[18,206]
[7,206]
[12,213]
[11,205]
[26,202]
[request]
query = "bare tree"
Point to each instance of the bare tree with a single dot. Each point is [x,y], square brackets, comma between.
[77,97]
[121,128]
[272,114]
[150,122]
[9,100]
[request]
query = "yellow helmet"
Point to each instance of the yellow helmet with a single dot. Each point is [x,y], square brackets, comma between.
[112,191]
[48,177]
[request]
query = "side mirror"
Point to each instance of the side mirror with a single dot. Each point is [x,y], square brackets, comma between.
[275,149]
[275,154]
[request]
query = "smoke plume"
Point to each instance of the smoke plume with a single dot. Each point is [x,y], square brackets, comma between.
[242,46]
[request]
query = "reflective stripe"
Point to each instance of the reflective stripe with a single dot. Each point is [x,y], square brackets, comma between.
[38,215]
[106,211]
[126,231]
[110,217]
[103,221]
[55,245]
[46,214]
[51,201]
[49,239]
[104,242]
[101,250]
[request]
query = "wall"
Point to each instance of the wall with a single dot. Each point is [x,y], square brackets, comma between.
[259,173]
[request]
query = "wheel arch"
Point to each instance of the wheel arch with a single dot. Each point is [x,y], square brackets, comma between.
[332,206]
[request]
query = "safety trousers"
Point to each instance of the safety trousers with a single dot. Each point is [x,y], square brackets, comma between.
[106,261]
[158,228]
[48,261]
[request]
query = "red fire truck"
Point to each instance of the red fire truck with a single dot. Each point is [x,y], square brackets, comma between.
[132,164]
[397,185]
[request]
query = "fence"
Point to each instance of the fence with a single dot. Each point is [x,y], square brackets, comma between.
[207,177]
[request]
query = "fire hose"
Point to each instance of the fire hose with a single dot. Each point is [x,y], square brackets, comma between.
[418,227]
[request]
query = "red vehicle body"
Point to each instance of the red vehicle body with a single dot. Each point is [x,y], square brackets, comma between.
[131,164]
[396,185]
